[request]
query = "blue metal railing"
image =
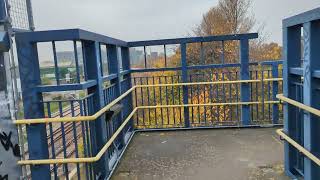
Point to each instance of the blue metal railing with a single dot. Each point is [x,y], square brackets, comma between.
[103,73]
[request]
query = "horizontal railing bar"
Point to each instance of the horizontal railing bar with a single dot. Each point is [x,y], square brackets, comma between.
[209,83]
[135,70]
[299,147]
[193,40]
[68,34]
[109,77]
[299,105]
[208,104]
[66,87]
[203,66]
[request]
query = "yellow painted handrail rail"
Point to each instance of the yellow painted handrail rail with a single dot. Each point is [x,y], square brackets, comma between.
[107,107]
[299,105]
[81,160]
[299,147]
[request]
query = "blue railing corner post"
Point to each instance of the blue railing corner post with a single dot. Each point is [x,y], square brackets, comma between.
[245,87]
[98,127]
[184,80]
[33,107]
[114,68]
[275,91]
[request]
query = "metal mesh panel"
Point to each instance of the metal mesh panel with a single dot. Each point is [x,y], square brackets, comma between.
[19,14]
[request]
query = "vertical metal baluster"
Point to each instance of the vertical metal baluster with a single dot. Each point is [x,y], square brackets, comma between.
[198,94]
[237,99]
[145,57]
[142,101]
[154,101]
[230,97]
[66,171]
[269,96]
[87,107]
[204,99]
[165,56]
[161,101]
[53,153]
[224,97]
[211,98]
[191,100]
[148,92]
[180,100]
[167,100]
[55,59]
[136,100]
[262,94]
[75,136]
[76,60]
[257,96]
[173,109]
[251,95]
[218,99]
[82,113]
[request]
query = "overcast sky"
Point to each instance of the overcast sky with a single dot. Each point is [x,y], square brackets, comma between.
[153,19]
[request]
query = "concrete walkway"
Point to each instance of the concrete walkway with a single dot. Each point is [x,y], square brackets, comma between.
[222,154]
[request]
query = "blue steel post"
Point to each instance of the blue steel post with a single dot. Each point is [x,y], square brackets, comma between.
[3,11]
[126,66]
[184,80]
[98,127]
[275,90]
[244,75]
[33,108]
[311,123]
[114,68]
[291,58]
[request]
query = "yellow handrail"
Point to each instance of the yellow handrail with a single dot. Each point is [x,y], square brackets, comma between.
[81,160]
[107,107]
[299,147]
[74,119]
[299,105]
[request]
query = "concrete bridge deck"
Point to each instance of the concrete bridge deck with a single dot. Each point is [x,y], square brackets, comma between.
[222,154]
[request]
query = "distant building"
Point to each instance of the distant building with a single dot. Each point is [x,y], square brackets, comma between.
[154,55]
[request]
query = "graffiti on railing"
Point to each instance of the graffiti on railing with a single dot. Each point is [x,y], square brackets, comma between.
[7,144]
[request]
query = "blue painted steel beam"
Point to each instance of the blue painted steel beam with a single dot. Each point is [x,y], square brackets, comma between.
[110,77]
[193,40]
[98,127]
[67,87]
[302,18]
[291,59]
[3,11]
[126,73]
[33,108]
[184,80]
[311,97]
[114,68]
[245,87]
[68,34]
[275,88]
[203,66]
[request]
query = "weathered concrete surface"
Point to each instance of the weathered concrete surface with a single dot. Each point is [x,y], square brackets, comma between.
[225,154]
